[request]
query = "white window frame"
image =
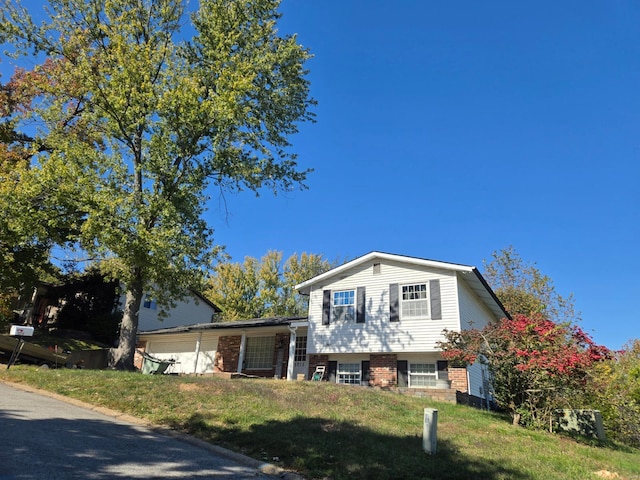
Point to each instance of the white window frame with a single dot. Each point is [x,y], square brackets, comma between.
[406,303]
[259,352]
[349,373]
[414,375]
[340,311]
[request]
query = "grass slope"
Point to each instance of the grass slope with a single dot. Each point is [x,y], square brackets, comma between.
[332,431]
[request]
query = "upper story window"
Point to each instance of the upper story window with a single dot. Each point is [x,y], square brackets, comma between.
[344,307]
[414,301]
[149,303]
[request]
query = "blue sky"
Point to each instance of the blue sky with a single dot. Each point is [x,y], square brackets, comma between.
[449,130]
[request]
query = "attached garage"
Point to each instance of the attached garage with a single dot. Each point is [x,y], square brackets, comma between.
[192,354]
[271,347]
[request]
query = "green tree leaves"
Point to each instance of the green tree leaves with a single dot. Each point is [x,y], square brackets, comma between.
[265,287]
[524,290]
[145,119]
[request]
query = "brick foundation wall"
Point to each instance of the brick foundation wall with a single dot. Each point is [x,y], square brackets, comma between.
[227,354]
[314,361]
[458,377]
[383,370]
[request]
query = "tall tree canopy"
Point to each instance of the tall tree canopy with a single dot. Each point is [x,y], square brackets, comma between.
[524,290]
[263,288]
[139,121]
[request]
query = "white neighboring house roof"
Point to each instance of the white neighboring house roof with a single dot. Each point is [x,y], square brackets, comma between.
[468,273]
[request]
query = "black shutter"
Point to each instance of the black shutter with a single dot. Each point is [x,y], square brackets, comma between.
[332,370]
[361,305]
[364,380]
[436,304]
[326,306]
[403,373]
[394,303]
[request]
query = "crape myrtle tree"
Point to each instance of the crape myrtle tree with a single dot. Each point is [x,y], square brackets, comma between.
[148,119]
[257,288]
[536,365]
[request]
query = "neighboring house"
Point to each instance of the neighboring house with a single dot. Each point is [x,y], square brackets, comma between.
[375,320]
[378,319]
[73,303]
[194,308]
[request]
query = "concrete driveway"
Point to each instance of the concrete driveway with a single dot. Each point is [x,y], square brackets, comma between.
[46,438]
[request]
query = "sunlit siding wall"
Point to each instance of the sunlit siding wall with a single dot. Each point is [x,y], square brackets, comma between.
[186,312]
[473,313]
[378,333]
[182,348]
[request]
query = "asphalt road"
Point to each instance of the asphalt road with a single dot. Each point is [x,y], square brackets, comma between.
[46,438]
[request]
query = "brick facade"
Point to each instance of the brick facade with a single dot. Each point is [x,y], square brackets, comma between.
[228,356]
[314,361]
[458,377]
[383,370]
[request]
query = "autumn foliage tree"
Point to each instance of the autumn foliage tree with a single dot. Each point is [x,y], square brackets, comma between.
[615,391]
[536,365]
[263,287]
[142,109]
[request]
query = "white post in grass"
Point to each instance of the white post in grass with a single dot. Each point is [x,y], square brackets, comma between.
[430,431]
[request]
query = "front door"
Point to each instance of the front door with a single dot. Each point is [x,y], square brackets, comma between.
[301,362]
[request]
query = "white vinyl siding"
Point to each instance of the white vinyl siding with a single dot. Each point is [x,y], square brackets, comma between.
[185,312]
[473,314]
[378,334]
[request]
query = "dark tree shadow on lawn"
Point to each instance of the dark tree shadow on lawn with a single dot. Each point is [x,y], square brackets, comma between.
[324,448]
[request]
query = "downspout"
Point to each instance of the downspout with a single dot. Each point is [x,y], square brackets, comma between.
[195,363]
[243,347]
[292,352]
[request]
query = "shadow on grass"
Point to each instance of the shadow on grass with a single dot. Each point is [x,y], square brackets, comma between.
[324,448]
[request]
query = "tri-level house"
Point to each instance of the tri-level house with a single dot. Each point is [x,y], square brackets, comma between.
[373,321]
[378,319]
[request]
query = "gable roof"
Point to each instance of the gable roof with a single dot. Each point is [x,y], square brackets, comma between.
[470,274]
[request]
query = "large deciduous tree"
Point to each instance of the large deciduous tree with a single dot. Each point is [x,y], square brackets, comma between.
[524,290]
[257,288]
[146,120]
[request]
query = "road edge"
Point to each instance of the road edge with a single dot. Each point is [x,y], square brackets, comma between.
[264,468]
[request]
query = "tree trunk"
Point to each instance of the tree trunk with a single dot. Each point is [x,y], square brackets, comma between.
[121,357]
